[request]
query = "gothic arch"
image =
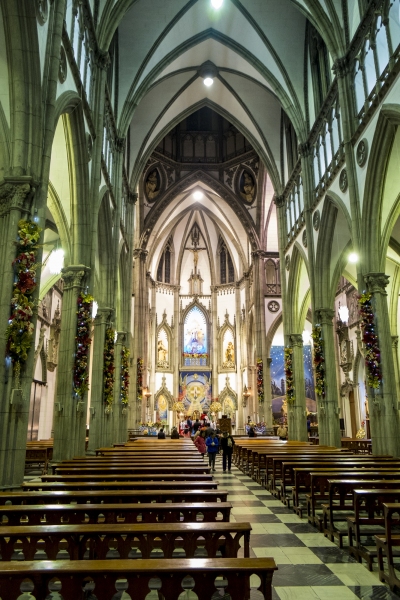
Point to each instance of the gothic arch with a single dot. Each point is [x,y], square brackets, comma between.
[165,363]
[225,332]
[195,305]
[164,391]
[226,393]
[293,318]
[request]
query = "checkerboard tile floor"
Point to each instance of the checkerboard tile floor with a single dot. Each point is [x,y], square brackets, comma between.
[310,567]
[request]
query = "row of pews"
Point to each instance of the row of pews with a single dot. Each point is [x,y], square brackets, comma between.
[143,520]
[344,495]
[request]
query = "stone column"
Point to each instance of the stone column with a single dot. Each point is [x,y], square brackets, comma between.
[214,341]
[395,348]
[269,418]
[141,298]
[120,412]
[238,353]
[259,304]
[70,413]
[328,407]
[297,422]
[99,421]
[383,403]
[152,347]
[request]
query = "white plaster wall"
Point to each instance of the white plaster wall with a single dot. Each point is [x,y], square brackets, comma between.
[59,169]
[226,302]
[164,302]
[42,31]
[169,382]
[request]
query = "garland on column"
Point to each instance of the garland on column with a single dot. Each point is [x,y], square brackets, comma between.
[371,341]
[290,390]
[82,344]
[260,380]
[139,380]
[319,361]
[125,354]
[19,333]
[108,367]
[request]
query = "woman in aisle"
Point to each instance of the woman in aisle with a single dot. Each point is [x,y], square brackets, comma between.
[200,443]
[212,449]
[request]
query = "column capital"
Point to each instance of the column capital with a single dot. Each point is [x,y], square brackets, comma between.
[16,194]
[279,201]
[259,254]
[305,149]
[102,59]
[74,276]
[121,338]
[140,253]
[341,67]
[325,316]
[377,282]
[296,339]
[104,316]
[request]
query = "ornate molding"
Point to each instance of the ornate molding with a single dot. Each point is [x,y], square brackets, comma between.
[104,316]
[325,316]
[296,340]
[121,338]
[140,253]
[102,59]
[377,282]
[16,194]
[279,201]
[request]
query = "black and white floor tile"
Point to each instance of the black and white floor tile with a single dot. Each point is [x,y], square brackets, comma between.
[310,567]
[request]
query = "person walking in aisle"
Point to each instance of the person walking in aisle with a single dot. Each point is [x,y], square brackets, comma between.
[227,443]
[212,449]
[200,443]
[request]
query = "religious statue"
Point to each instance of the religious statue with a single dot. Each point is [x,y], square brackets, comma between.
[229,352]
[162,353]
[249,189]
[151,185]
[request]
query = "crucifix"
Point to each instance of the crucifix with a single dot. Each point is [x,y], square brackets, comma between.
[195,236]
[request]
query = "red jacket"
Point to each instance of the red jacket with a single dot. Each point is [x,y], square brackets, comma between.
[200,444]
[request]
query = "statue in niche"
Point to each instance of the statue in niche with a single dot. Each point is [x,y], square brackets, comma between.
[162,353]
[152,185]
[229,353]
[247,187]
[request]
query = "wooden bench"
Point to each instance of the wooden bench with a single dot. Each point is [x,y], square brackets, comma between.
[192,480]
[112,495]
[39,455]
[388,546]
[181,469]
[137,578]
[116,484]
[261,461]
[98,542]
[340,504]
[368,520]
[74,514]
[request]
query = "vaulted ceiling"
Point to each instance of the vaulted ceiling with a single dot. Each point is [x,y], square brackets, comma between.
[257,47]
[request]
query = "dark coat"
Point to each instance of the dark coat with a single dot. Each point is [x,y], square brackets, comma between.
[224,444]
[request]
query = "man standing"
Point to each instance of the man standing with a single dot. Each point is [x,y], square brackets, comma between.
[227,443]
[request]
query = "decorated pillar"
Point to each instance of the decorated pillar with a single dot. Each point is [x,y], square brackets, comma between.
[326,385]
[380,368]
[103,380]
[120,413]
[70,407]
[238,354]
[295,393]
[141,300]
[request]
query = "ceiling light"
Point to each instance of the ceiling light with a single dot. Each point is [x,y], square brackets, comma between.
[353,257]
[198,195]
[208,81]
[217,3]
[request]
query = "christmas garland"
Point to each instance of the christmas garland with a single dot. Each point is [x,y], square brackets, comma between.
[139,380]
[125,354]
[260,380]
[371,341]
[290,390]
[82,344]
[19,333]
[319,361]
[108,367]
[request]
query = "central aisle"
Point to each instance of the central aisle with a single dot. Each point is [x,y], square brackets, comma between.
[310,566]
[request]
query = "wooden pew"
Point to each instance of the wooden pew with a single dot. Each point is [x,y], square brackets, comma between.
[181,469]
[388,546]
[368,520]
[40,455]
[340,504]
[137,577]
[74,514]
[129,540]
[112,495]
[150,487]
[192,479]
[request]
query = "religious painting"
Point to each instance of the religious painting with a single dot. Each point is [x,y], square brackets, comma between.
[228,350]
[162,408]
[195,392]
[152,184]
[278,380]
[162,349]
[247,187]
[195,332]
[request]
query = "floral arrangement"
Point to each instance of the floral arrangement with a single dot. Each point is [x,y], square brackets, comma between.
[215,406]
[139,380]
[360,435]
[19,333]
[371,341]
[125,354]
[260,380]
[108,367]
[319,361]
[82,344]
[178,406]
[150,424]
[290,390]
